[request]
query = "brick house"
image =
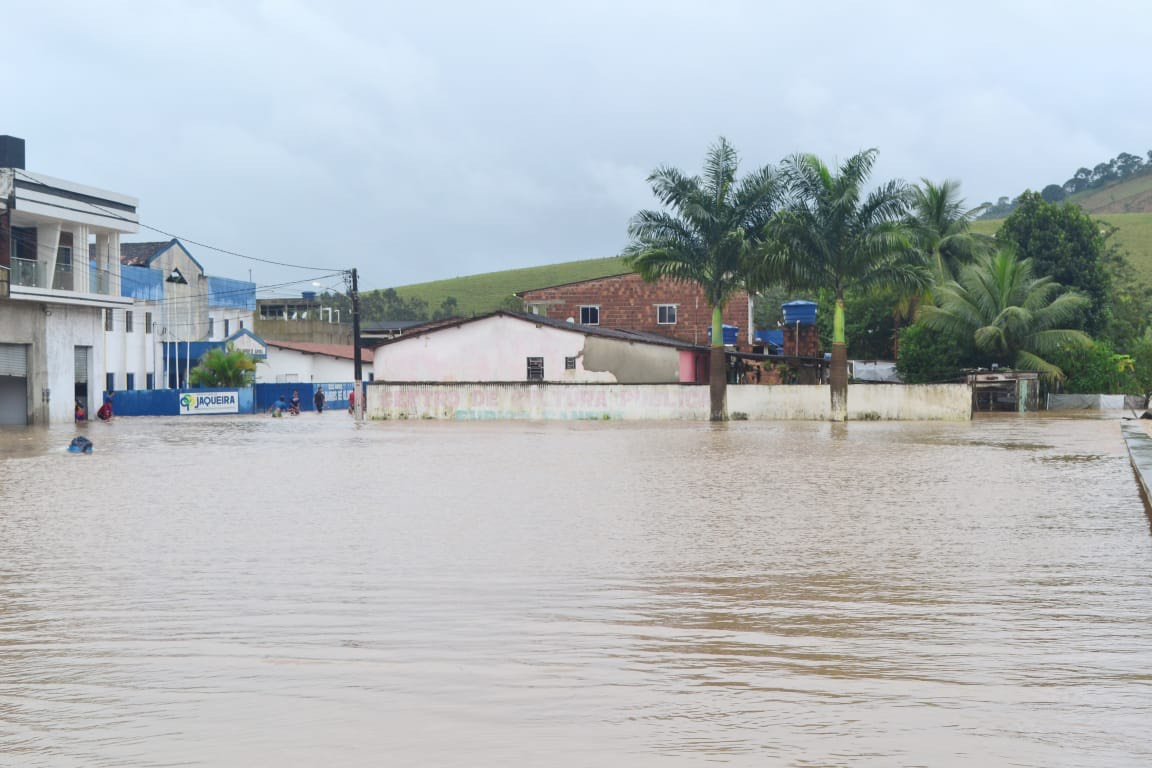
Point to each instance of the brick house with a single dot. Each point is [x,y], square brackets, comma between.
[627,302]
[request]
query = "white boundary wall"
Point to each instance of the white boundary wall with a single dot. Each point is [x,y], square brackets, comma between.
[516,400]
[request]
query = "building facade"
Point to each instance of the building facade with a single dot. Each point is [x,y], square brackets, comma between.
[290,362]
[60,281]
[511,347]
[666,307]
[82,312]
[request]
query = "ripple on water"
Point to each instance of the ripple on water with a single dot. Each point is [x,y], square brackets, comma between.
[239,591]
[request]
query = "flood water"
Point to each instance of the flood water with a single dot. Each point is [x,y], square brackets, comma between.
[311,592]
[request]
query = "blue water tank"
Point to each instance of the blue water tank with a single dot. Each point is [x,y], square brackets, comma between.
[803,312]
[730,332]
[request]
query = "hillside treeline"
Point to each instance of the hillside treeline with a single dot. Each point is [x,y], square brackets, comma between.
[1124,166]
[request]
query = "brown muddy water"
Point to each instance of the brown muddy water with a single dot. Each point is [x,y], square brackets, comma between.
[311,592]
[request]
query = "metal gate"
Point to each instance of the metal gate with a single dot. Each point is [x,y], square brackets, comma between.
[13,384]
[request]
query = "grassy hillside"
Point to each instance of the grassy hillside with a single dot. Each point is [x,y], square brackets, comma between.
[1132,195]
[476,294]
[1134,235]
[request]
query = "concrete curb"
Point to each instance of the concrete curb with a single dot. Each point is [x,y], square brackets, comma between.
[1139,452]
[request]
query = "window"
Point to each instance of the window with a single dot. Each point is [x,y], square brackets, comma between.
[131,385]
[107,319]
[148,325]
[535,369]
[150,380]
[589,315]
[666,314]
[226,328]
[128,323]
[64,258]
[241,324]
[569,363]
[109,382]
[211,324]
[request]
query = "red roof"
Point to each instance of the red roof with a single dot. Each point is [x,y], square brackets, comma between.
[343,351]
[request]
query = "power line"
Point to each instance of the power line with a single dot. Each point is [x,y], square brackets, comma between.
[126,278]
[117,216]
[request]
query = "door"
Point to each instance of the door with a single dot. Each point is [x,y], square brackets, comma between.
[81,391]
[13,384]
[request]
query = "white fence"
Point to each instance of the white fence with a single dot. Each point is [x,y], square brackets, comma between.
[515,400]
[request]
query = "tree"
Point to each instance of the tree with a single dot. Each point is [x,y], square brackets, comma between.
[941,227]
[829,234]
[932,357]
[223,367]
[1099,370]
[1128,300]
[1053,193]
[1014,318]
[1128,164]
[1065,242]
[449,308]
[707,236]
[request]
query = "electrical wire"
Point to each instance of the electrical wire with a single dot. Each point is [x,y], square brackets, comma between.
[46,250]
[117,216]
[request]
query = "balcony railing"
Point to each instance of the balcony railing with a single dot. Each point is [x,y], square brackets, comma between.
[33,274]
[26,272]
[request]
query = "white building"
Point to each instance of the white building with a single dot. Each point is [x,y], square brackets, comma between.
[81,312]
[306,363]
[183,307]
[507,346]
[55,300]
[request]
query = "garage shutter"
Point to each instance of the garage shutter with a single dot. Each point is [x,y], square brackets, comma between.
[13,360]
[82,365]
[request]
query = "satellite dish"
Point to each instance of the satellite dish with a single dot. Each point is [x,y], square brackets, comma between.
[570,320]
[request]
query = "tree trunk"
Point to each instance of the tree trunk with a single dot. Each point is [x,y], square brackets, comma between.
[838,372]
[838,382]
[718,369]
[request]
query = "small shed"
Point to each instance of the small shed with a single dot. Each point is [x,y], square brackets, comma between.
[1012,391]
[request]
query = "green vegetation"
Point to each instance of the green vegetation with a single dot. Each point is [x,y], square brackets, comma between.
[1064,242]
[1130,195]
[1120,185]
[708,236]
[830,235]
[1133,235]
[220,367]
[1014,318]
[490,291]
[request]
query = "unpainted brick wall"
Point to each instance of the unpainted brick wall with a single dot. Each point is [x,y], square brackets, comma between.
[627,302]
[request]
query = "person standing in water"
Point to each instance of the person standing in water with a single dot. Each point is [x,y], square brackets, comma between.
[318,399]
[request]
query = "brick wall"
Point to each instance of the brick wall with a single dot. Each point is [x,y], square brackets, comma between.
[627,302]
[809,341]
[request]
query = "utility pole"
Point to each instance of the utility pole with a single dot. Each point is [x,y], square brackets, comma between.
[357,365]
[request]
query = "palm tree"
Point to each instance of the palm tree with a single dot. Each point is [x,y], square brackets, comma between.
[830,235]
[220,367]
[941,231]
[941,227]
[1012,316]
[707,236]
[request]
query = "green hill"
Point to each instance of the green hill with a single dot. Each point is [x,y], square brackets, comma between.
[476,294]
[1133,234]
[1130,195]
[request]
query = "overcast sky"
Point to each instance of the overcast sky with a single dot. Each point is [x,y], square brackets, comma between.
[424,140]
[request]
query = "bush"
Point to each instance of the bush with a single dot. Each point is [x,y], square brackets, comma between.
[1100,371]
[930,357]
